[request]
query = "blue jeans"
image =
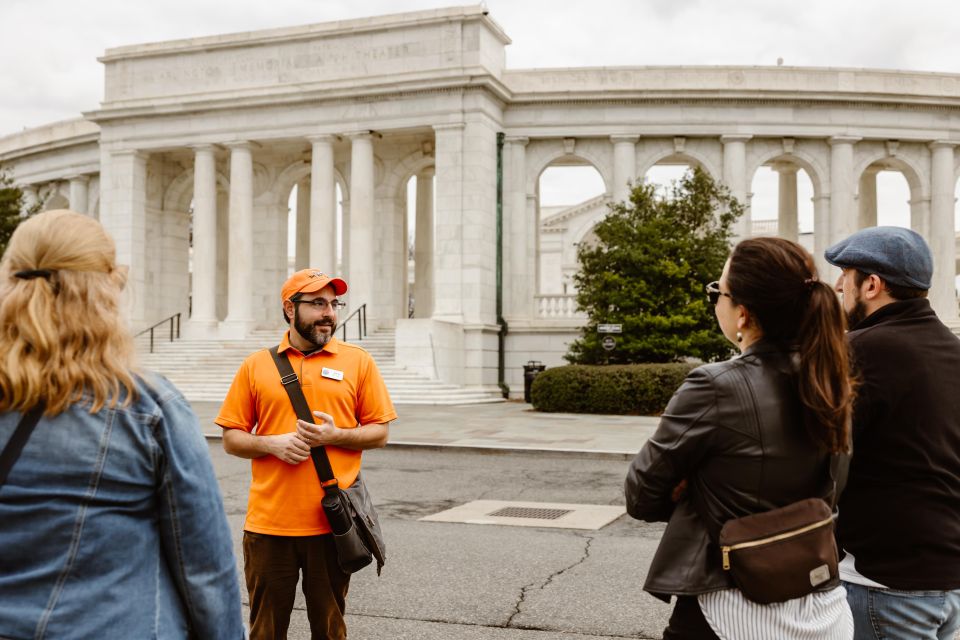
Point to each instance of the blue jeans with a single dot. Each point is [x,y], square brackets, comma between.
[891,614]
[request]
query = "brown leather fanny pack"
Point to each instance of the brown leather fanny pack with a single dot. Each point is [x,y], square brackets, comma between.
[783,553]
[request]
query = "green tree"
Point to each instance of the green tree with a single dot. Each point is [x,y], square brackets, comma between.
[647,271]
[11,205]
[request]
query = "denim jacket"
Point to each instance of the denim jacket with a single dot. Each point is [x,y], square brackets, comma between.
[112,526]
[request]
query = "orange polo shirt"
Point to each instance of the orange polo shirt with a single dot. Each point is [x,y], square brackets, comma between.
[285,499]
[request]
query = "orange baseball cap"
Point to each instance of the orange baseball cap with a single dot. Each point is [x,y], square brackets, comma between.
[310,281]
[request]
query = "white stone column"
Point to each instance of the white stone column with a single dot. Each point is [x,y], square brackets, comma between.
[203,317]
[448,235]
[361,222]
[920,215]
[423,247]
[624,165]
[301,258]
[821,235]
[323,205]
[943,296]
[843,209]
[735,178]
[240,278]
[123,213]
[787,217]
[79,194]
[520,227]
[867,199]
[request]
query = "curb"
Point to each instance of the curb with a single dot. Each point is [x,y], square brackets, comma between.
[490,449]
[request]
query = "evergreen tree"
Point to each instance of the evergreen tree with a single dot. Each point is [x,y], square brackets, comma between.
[11,205]
[647,272]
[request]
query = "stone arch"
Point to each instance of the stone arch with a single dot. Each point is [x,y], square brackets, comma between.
[916,177]
[545,158]
[815,170]
[294,173]
[178,195]
[395,181]
[690,157]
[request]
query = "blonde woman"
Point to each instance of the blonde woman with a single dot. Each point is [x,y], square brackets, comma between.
[111,521]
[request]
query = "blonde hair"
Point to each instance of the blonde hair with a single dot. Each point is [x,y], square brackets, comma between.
[61,336]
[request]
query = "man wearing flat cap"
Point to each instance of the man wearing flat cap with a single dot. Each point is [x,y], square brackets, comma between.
[286,532]
[899,522]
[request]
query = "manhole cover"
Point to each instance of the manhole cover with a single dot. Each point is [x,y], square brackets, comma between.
[526,512]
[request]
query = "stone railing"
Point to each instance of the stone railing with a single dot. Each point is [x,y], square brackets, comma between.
[557,305]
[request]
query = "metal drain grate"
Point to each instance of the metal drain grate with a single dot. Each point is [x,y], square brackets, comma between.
[527,512]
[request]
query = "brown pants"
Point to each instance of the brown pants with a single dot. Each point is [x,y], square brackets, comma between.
[272,566]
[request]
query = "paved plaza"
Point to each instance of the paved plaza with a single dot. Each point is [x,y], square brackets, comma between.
[513,426]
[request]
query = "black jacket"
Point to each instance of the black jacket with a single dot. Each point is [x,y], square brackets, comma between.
[900,514]
[734,430]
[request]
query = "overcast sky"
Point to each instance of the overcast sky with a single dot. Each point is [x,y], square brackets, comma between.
[49,48]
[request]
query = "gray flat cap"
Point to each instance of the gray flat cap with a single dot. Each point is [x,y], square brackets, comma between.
[899,256]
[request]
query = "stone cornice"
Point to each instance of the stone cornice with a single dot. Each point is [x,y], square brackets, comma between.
[307,32]
[325,93]
[653,98]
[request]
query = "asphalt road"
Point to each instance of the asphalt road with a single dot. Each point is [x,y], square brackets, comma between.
[450,581]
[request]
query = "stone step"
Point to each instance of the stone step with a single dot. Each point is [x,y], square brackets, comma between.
[204,369]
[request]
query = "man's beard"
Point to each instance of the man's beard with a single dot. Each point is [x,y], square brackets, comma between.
[313,332]
[856,315]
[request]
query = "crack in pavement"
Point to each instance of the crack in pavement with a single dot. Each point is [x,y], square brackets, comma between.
[546,583]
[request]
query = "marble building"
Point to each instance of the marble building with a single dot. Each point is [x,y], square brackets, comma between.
[198,144]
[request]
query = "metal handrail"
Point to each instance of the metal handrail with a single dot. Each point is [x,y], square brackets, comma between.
[174,321]
[361,313]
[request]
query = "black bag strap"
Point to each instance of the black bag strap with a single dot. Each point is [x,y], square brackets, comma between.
[291,383]
[17,441]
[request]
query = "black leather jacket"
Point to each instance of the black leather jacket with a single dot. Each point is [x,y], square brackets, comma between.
[734,431]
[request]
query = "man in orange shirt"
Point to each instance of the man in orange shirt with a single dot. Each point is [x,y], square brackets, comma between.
[286,531]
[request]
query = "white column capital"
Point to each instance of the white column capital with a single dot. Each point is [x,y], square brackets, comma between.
[205,147]
[517,140]
[943,144]
[734,137]
[427,172]
[450,126]
[241,145]
[79,178]
[363,134]
[323,138]
[785,167]
[624,138]
[838,140]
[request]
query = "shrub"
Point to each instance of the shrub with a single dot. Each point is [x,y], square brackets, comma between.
[631,389]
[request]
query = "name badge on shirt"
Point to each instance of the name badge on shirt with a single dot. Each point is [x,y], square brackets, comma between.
[333,374]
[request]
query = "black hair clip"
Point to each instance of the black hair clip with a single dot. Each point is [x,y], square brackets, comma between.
[30,274]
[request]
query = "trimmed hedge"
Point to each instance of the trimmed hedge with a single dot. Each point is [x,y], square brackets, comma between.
[629,389]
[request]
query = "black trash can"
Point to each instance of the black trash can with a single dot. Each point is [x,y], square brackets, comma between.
[530,371]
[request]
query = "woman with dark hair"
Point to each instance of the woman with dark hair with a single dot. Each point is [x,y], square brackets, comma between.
[746,436]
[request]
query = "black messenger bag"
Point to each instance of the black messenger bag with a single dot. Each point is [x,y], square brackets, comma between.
[350,512]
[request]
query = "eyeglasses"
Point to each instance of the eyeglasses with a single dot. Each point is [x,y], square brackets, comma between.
[319,304]
[714,293]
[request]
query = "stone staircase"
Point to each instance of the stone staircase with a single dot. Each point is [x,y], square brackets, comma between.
[203,369]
